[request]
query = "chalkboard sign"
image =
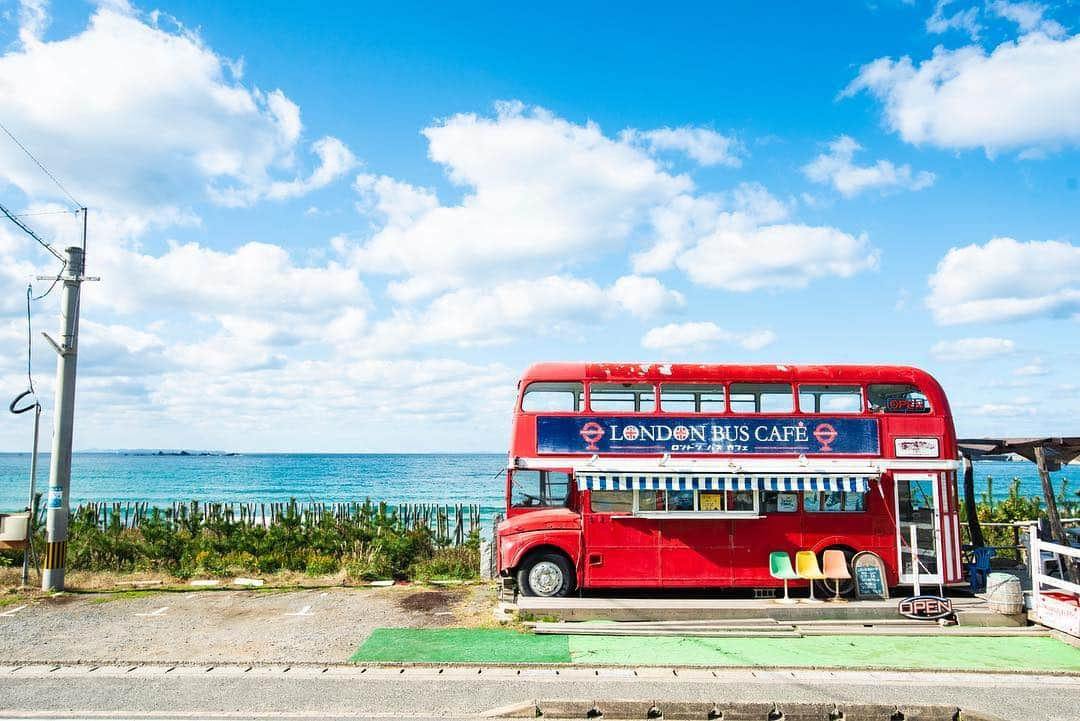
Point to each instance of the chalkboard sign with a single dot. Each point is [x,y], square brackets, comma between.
[869,571]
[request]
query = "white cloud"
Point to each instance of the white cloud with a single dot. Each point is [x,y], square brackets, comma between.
[1005,279]
[1003,410]
[1034,368]
[837,169]
[955,100]
[256,279]
[644,297]
[735,241]
[486,316]
[541,192]
[698,336]
[1028,16]
[136,116]
[966,20]
[704,146]
[972,349]
[780,256]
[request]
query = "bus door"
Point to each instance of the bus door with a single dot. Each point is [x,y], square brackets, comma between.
[918,504]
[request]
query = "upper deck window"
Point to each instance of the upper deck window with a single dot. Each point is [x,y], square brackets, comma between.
[554,397]
[691,398]
[762,398]
[830,399]
[622,397]
[897,398]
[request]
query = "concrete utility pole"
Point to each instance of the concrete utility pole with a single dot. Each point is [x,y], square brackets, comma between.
[56,525]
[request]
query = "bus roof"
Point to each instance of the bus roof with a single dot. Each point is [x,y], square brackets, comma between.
[705,372]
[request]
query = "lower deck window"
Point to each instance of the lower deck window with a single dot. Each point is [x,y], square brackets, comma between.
[726,502]
[834,502]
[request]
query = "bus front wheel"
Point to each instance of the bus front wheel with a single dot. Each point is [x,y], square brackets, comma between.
[546,574]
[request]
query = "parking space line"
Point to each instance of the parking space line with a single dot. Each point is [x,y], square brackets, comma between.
[13,611]
[305,611]
[158,612]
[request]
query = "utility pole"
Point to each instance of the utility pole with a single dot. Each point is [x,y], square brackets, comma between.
[56,525]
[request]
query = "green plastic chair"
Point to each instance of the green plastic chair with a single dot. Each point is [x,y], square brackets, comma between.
[780,569]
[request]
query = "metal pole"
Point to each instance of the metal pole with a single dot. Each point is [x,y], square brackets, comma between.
[56,527]
[915,560]
[30,500]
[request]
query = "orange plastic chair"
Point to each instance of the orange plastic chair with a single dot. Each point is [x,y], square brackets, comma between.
[836,570]
[806,565]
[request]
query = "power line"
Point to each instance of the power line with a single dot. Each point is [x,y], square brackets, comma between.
[43,168]
[26,229]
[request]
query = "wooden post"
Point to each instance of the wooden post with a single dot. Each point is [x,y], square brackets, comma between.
[1068,566]
[970,506]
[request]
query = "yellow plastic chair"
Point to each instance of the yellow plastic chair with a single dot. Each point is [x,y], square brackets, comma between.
[806,565]
[836,570]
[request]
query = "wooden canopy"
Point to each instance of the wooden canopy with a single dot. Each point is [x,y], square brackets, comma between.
[1059,451]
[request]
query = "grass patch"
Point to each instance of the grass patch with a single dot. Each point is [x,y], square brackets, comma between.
[122,595]
[460,645]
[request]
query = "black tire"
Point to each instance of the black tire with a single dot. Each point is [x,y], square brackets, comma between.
[551,573]
[825,589]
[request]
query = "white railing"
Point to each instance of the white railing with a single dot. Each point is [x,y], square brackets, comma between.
[1040,579]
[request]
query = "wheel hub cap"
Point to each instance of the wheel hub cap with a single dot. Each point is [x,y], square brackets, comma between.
[545,578]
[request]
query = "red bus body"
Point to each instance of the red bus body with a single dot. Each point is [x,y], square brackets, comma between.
[899,458]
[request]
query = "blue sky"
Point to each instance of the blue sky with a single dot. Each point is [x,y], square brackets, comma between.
[349,227]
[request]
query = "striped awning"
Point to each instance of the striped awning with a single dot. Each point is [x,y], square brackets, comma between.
[721,482]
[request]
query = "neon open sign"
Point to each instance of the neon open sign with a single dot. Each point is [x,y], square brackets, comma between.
[925,608]
[905,404]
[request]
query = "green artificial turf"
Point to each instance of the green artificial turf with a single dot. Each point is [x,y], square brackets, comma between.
[461,645]
[968,653]
[469,645]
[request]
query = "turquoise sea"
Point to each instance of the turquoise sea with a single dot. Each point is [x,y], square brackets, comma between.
[425,478]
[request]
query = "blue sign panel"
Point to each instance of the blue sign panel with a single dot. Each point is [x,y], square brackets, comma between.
[732,434]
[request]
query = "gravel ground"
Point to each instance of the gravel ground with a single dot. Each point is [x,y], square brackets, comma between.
[319,625]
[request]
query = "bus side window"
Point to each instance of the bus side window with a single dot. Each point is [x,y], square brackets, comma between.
[539,489]
[691,398]
[624,397]
[611,501]
[896,398]
[762,398]
[553,397]
[834,502]
[830,399]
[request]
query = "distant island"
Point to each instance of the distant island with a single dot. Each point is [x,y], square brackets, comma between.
[159,452]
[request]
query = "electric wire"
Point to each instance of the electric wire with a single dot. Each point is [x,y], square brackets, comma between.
[43,168]
[14,407]
[26,229]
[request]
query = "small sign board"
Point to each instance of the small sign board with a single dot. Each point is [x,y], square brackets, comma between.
[925,608]
[869,571]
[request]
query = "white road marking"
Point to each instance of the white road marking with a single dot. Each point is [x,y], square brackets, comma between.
[158,612]
[12,611]
[305,611]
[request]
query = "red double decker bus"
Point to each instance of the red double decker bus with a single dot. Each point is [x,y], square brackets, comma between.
[687,475]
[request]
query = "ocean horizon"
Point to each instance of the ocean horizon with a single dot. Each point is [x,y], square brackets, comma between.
[145,476]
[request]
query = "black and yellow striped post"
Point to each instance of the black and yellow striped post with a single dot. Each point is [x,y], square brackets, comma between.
[56,520]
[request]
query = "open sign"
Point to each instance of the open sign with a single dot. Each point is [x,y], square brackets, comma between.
[906,404]
[925,608]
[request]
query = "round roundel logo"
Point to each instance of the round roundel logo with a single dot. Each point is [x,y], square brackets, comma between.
[630,433]
[592,432]
[681,433]
[825,435]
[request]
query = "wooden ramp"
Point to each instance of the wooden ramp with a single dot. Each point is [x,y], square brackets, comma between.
[969,611]
[755,628]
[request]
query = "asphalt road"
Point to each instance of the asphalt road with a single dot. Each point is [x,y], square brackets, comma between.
[340,691]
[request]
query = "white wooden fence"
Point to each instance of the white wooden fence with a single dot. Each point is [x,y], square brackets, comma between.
[1049,611]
